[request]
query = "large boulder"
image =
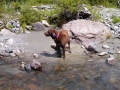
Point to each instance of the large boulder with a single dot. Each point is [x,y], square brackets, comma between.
[38,26]
[87,32]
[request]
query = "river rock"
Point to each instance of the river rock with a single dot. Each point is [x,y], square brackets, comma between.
[35,55]
[38,26]
[6,32]
[105,47]
[27,67]
[87,32]
[17,52]
[28,27]
[103,54]
[111,60]
[84,13]
[118,52]
[9,50]
[36,65]
[12,55]
[44,22]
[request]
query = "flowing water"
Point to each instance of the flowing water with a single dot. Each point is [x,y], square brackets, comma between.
[76,72]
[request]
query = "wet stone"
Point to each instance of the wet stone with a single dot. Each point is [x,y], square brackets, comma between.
[27,67]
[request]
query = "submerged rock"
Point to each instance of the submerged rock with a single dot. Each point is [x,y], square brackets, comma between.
[36,65]
[27,67]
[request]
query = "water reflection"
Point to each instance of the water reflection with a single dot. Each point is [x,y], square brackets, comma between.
[89,75]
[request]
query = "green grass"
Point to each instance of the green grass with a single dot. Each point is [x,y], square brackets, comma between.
[95,14]
[116,19]
[28,15]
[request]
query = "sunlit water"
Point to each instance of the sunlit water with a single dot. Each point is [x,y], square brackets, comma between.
[77,72]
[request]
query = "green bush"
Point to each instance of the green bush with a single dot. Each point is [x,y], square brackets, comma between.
[95,14]
[67,10]
[29,15]
[24,27]
[2,5]
[115,19]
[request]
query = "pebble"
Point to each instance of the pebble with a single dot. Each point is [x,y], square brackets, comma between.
[105,47]
[23,65]
[102,53]
[35,55]
[36,65]
[27,67]
[44,22]
[111,60]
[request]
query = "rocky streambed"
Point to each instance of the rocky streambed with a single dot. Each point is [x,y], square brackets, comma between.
[77,72]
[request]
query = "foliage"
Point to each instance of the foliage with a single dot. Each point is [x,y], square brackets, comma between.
[10,26]
[29,15]
[24,27]
[95,14]
[2,5]
[115,19]
[64,9]
[67,10]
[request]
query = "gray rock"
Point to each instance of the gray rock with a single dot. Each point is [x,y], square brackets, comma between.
[38,26]
[111,60]
[18,25]
[103,53]
[105,47]
[12,55]
[6,32]
[44,22]
[9,50]
[27,67]
[28,27]
[15,24]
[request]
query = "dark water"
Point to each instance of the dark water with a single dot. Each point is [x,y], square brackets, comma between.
[89,75]
[77,72]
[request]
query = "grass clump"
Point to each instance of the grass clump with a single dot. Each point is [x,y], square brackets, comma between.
[115,19]
[24,27]
[95,14]
[10,26]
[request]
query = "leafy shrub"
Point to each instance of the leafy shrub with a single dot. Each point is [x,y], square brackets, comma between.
[115,19]
[2,5]
[67,10]
[29,15]
[10,26]
[24,27]
[95,14]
